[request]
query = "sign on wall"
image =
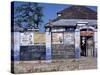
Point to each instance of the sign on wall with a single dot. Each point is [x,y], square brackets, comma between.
[26,38]
[57,38]
[39,38]
[69,38]
[60,38]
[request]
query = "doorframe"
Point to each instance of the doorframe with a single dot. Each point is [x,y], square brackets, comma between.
[93,29]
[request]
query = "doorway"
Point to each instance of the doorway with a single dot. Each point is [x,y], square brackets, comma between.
[83,46]
[86,46]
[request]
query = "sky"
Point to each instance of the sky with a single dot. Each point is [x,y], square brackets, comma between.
[50,11]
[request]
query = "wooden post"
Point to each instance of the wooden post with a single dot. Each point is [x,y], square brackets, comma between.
[95,43]
[48,46]
[77,43]
[16,46]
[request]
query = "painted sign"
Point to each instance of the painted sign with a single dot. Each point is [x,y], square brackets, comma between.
[69,38]
[48,47]
[39,38]
[26,38]
[57,38]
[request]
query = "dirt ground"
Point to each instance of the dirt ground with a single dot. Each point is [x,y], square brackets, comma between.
[83,63]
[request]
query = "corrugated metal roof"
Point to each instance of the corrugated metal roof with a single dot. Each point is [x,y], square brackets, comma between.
[72,22]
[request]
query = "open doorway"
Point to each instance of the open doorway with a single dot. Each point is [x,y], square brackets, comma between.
[83,46]
[87,45]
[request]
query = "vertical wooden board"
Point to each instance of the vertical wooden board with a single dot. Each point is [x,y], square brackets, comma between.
[57,38]
[95,43]
[16,46]
[48,47]
[77,43]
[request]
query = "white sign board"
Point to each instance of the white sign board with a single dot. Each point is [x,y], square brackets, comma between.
[69,38]
[26,38]
[57,38]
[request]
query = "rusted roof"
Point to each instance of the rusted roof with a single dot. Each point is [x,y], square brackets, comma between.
[77,12]
[72,15]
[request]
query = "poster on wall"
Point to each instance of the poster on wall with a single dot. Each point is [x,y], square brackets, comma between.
[57,38]
[26,38]
[39,38]
[69,38]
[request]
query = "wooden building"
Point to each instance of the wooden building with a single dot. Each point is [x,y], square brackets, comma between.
[73,33]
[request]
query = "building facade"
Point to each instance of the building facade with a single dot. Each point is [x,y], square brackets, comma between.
[73,33]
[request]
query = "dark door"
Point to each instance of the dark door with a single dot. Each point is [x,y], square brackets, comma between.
[87,46]
[83,46]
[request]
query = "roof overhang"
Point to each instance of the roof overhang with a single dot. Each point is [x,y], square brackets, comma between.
[71,22]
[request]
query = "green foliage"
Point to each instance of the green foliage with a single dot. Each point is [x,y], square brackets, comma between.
[28,15]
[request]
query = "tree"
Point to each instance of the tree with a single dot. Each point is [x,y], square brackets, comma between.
[28,15]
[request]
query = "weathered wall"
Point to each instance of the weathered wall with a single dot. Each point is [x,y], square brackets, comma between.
[35,51]
[60,51]
[63,45]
